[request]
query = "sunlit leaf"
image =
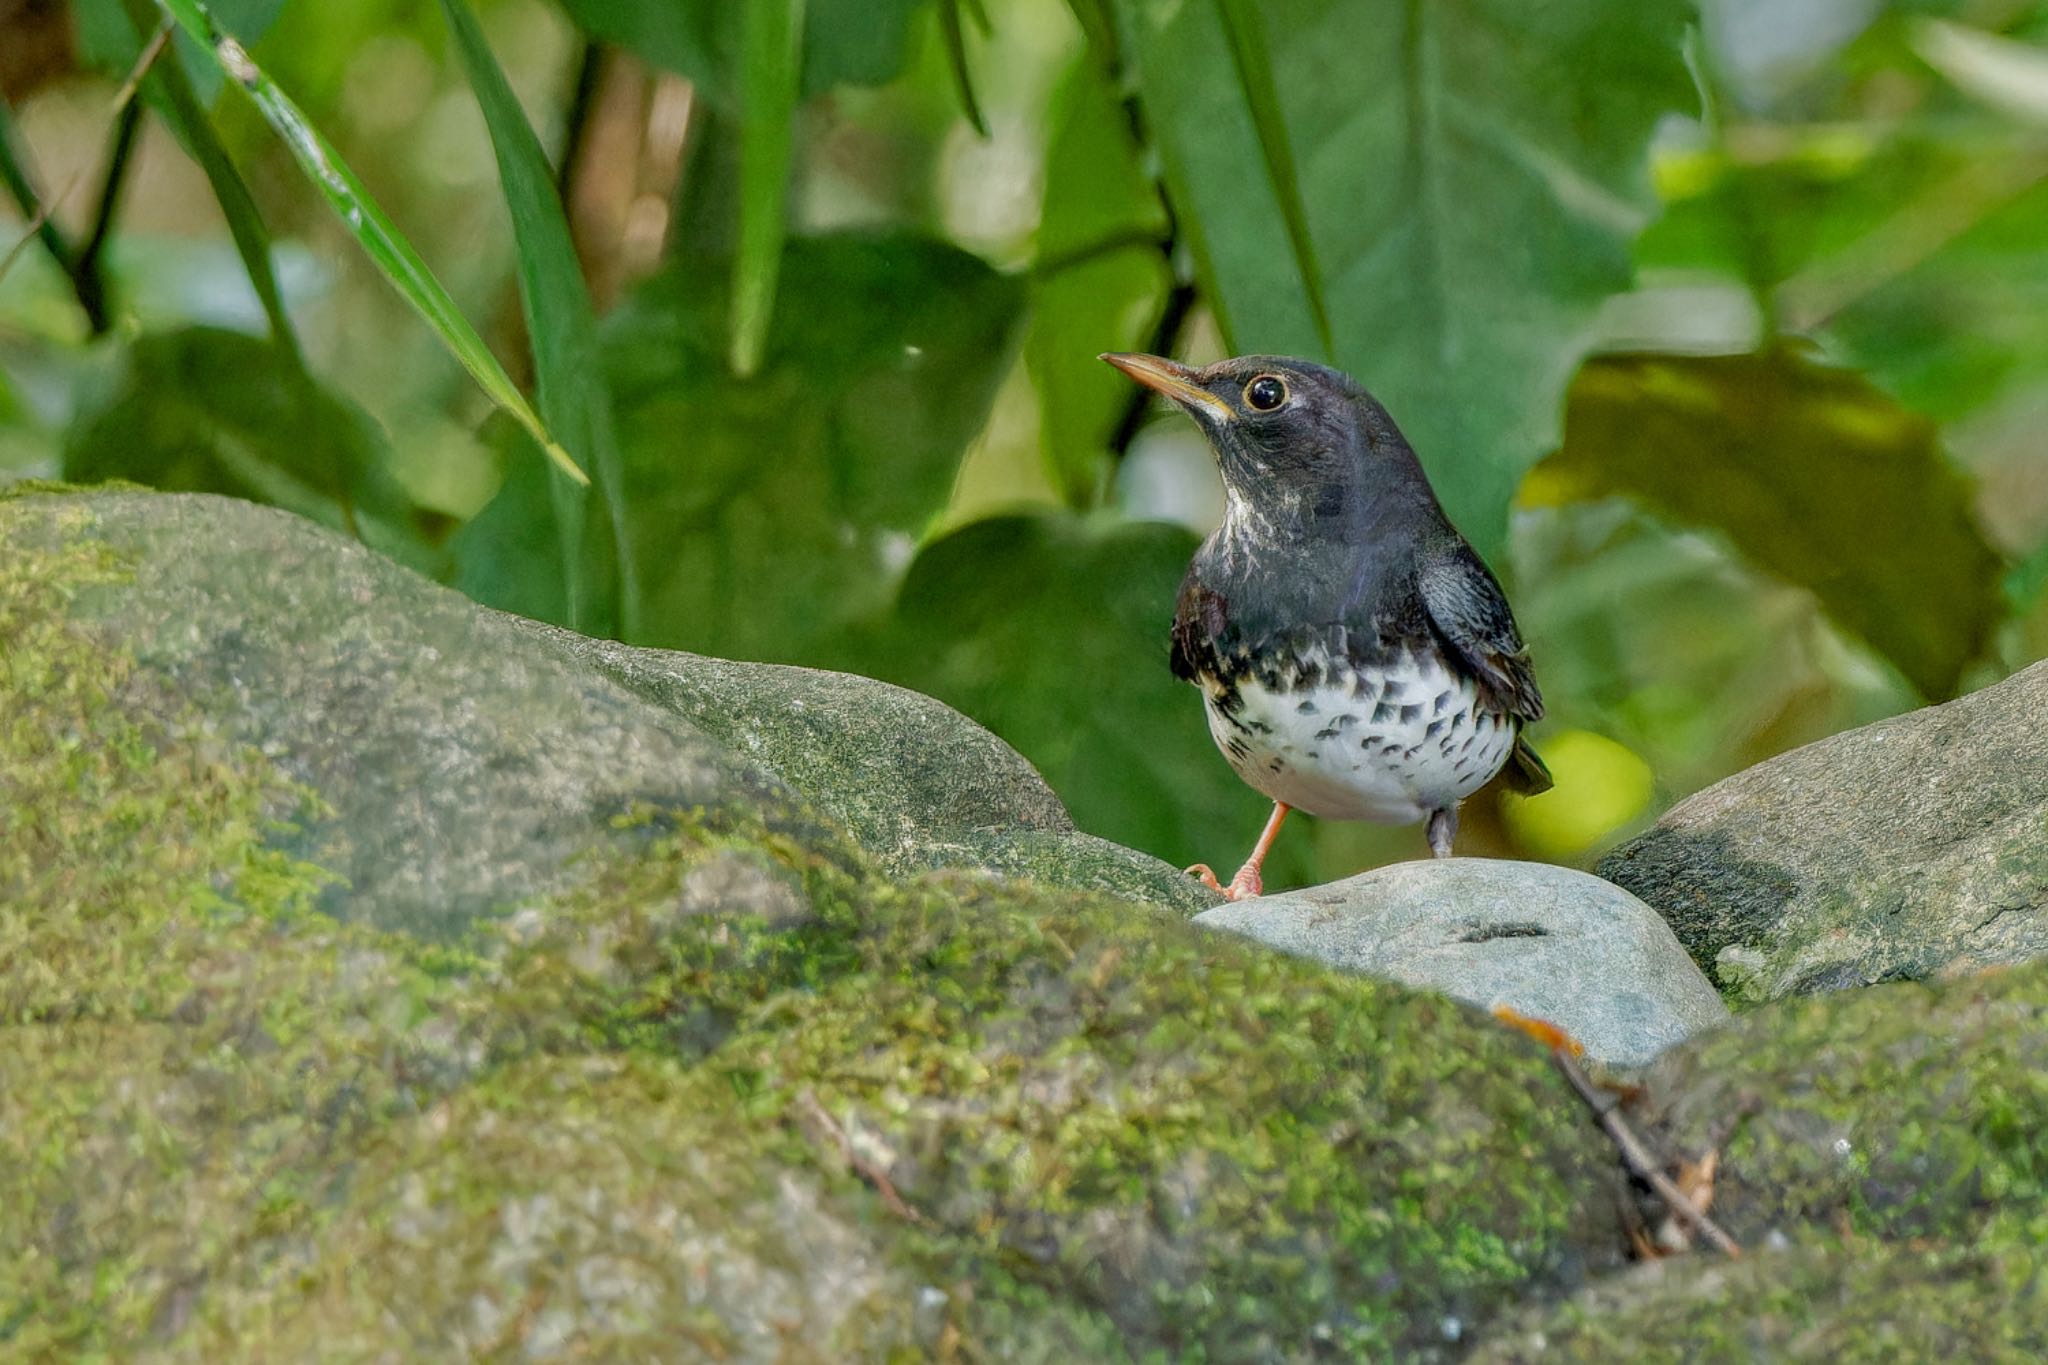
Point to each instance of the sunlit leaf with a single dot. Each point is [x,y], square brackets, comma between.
[1811,473]
[1473,172]
[368,225]
[205,410]
[568,368]
[771,69]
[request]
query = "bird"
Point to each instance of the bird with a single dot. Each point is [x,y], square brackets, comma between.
[1357,659]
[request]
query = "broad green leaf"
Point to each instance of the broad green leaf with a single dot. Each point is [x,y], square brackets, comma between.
[568,366]
[1246,37]
[368,225]
[776,509]
[1052,631]
[844,43]
[1473,173]
[1097,283]
[205,410]
[771,68]
[1812,473]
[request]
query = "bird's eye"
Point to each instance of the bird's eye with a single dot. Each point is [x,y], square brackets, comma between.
[1266,392]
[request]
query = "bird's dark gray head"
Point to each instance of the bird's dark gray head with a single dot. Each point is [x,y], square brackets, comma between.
[1297,443]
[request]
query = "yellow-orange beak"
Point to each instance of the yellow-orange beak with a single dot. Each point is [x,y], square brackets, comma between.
[1171,378]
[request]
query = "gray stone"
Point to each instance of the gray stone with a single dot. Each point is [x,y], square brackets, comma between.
[1546,941]
[1913,848]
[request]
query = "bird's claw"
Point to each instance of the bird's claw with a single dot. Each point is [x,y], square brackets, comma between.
[1243,886]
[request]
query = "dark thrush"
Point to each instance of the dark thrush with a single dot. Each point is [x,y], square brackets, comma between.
[1356,656]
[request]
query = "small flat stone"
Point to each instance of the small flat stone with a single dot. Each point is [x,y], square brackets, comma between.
[1551,942]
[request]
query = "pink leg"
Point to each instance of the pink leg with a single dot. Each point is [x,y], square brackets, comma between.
[1247,881]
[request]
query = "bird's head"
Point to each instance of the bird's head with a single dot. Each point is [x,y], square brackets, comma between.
[1290,437]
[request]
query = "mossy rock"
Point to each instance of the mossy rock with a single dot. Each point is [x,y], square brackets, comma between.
[264,1096]
[1877,1303]
[1897,1112]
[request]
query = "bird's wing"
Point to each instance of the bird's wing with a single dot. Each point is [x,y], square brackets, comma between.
[1471,616]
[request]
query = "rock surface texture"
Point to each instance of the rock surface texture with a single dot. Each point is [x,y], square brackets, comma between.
[384,979]
[1547,941]
[1916,847]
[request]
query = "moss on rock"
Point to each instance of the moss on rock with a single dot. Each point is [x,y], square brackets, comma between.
[1904,1111]
[1874,1303]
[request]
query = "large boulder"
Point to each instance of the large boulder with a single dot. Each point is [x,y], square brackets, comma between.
[1916,847]
[1546,941]
[380,983]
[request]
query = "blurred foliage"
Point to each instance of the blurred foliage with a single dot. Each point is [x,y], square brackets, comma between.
[1723,331]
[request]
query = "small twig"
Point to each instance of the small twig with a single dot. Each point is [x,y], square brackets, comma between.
[86,280]
[151,50]
[858,1164]
[35,226]
[1165,339]
[1638,1156]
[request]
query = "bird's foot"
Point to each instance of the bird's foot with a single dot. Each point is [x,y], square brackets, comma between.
[1241,887]
[1443,829]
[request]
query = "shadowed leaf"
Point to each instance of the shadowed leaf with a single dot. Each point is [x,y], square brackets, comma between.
[568,369]
[205,410]
[1812,473]
[1052,631]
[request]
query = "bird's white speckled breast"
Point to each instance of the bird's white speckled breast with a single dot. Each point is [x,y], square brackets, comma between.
[1388,745]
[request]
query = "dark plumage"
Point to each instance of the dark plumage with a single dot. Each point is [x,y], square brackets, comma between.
[1336,579]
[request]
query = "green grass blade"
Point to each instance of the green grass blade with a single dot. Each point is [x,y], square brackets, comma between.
[181,107]
[367,223]
[569,377]
[1262,99]
[956,57]
[772,71]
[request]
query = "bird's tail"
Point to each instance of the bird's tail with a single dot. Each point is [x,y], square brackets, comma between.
[1525,771]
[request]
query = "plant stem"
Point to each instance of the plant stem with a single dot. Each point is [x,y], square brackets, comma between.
[88,281]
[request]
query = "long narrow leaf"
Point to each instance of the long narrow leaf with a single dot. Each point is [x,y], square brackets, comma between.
[367,223]
[773,72]
[1262,99]
[180,106]
[569,377]
[956,57]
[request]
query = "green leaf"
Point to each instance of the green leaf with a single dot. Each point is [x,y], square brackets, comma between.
[1098,281]
[1472,173]
[773,64]
[843,43]
[1254,67]
[956,58]
[110,38]
[169,89]
[1811,473]
[801,491]
[567,362]
[203,410]
[368,225]
[1052,631]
